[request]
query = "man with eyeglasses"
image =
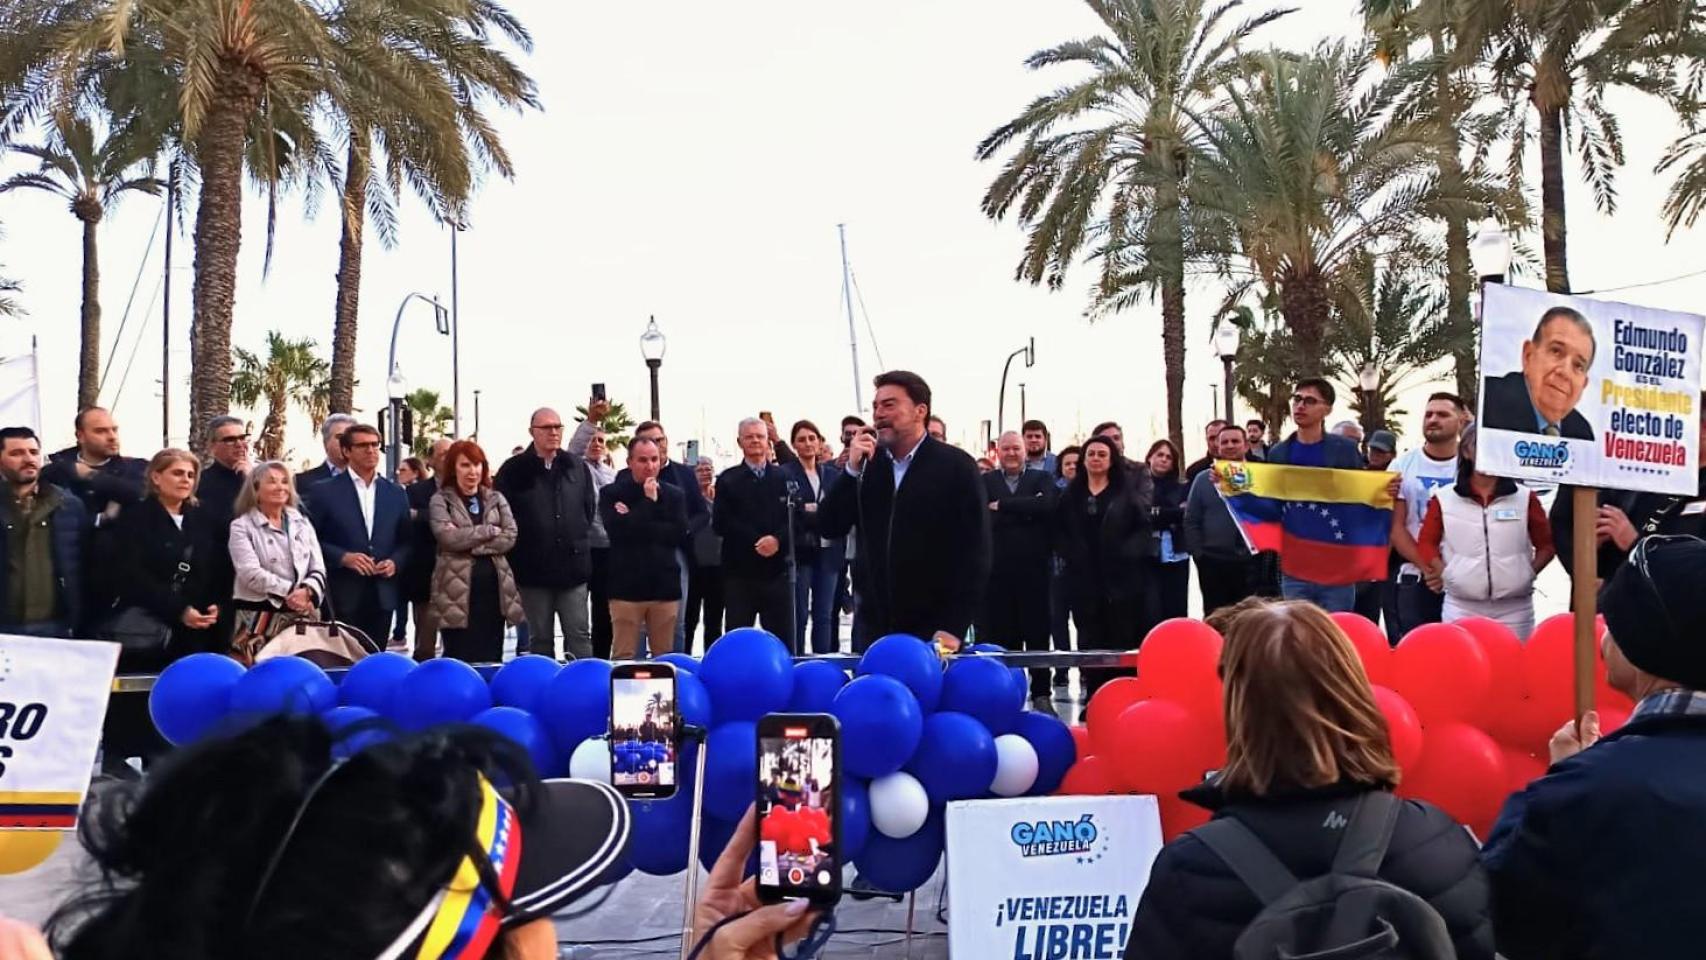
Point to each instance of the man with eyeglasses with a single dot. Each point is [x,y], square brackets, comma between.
[362,520]
[554,499]
[221,480]
[1312,446]
[1601,857]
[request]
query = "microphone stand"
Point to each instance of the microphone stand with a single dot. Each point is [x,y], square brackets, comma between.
[794,642]
[695,734]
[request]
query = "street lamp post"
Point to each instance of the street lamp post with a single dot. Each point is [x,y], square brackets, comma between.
[396,388]
[1022,415]
[1226,336]
[1368,379]
[476,414]
[652,344]
[456,227]
[1029,352]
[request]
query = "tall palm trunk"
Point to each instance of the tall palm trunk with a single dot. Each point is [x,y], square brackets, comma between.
[1172,264]
[349,278]
[1305,306]
[89,360]
[1459,275]
[1553,233]
[272,429]
[218,237]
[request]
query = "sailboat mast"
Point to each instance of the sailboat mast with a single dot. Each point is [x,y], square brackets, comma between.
[852,332]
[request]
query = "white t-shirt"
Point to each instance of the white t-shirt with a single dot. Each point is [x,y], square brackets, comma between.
[1422,476]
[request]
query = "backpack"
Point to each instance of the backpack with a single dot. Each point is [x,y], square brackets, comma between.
[1347,914]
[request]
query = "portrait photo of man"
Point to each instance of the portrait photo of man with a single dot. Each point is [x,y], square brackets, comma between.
[1541,398]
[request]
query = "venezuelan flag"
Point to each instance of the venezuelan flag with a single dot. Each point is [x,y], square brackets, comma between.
[1328,526]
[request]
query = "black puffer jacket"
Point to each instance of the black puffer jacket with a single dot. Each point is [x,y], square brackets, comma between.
[553,510]
[1194,907]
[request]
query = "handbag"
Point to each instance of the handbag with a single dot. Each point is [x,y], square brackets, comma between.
[265,634]
[137,630]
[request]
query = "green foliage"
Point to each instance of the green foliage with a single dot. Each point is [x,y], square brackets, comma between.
[432,419]
[289,373]
[616,424]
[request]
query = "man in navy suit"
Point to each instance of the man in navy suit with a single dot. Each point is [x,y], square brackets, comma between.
[363,523]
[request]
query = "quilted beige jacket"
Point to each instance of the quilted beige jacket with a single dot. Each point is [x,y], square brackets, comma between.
[460,540]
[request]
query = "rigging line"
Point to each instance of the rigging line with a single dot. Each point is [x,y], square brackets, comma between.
[875,346]
[1648,283]
[134,286]
[138,344]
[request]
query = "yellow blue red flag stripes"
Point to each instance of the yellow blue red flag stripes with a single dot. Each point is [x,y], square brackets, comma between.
[1329,526]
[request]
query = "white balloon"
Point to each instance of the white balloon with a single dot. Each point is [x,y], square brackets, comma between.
[591,760]
[899,805]
[1015,765]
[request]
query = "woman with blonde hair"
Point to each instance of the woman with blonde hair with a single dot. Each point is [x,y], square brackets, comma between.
[1308,766]
[280,570]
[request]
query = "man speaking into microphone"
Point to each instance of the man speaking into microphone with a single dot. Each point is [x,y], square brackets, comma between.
[918,510]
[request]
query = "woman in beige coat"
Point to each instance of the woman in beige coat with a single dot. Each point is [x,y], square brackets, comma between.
[473,591]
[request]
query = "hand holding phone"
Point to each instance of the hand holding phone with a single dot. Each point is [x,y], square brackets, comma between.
[799,823]
[645,731]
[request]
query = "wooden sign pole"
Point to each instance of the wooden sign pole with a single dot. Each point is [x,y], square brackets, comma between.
[1584,593]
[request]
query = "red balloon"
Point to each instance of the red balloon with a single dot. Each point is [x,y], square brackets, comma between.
[1402,727]
[1089,777]
[1160,748]
[1611,718]
[1180,661]
[1462,771]
[1521,769]
[1371,644]
[1081,739]
[1504,655]
[1442,672]
[1104,711]
[1549,667]
[1178,815]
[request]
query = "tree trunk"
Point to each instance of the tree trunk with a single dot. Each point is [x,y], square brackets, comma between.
[218,237]
[349,280]
[272,432]
[89,362]
[1554,236]
[1304,304]
[1460,279]
[1170,260]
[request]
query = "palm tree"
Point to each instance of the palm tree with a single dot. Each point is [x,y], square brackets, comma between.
[1120,178]
[288,374]
[1307,176]
[8,306]
[616,424]
[1551,65]
[432,419]
[91,175]
[433,135]
[1266,367]
[1399,326]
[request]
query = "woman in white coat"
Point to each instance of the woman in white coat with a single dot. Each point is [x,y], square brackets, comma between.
[280,571]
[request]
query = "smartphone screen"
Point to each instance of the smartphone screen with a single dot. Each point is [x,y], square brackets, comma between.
[598,391]
[644,745]
[799,838]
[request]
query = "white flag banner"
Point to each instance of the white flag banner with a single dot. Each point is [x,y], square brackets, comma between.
[20,392]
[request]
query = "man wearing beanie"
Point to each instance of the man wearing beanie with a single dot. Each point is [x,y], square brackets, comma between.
[1603,856]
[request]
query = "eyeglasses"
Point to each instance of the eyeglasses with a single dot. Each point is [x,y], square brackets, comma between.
[365,445]
[234,438]
[548,427]
[1304,400]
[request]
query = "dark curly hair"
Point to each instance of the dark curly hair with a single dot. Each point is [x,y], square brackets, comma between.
[181,855]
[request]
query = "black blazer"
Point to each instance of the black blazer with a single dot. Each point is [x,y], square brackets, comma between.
[923,552]
[1022,527]
[747,508]
[643,542]
[808,543]
[1108,563]
[146,547]
[120,480]
[1508,407]
[336,513]
[553,516]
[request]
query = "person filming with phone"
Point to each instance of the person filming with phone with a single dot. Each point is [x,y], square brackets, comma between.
[923,540]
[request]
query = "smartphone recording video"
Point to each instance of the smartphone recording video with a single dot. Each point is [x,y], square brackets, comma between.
[799,838]
[644,739]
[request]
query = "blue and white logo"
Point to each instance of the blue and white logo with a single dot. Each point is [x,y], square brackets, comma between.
[1542,454]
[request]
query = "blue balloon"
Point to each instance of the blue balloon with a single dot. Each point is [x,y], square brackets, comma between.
[956,758]
[354,729]
[911,661]
[692,702]
[982,689]
[528,733]
[854,808]
[192,695]
[898,866]
[576,704]
[1056,750]
[283,685]
[373,680]
[440,691]
[748,673]
[660,839]
[680,661]
[1021,683]
[731,769]
[816,682]
[522,681]
[880,725]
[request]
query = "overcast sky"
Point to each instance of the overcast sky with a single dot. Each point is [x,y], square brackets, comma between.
[692,162]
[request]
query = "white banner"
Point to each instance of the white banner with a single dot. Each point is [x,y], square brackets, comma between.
[53,699]
[20,392]
[1589,392]
[1049,878]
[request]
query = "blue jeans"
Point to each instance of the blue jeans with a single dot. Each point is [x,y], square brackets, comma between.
[814,600]
[1333,599]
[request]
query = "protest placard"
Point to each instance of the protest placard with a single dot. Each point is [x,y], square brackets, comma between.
[53,700]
